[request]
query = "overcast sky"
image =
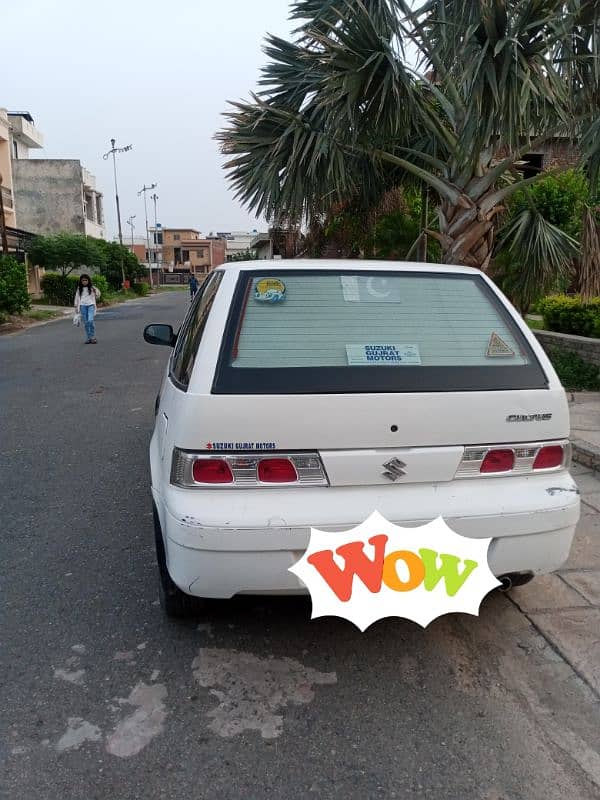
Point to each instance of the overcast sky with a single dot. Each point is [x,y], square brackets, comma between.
[153,74]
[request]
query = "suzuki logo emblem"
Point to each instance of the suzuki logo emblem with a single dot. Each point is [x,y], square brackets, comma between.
[394,469]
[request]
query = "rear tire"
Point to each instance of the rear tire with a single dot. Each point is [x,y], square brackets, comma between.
[175,603]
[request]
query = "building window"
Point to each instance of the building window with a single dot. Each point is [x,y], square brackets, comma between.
[15,148]
[176,237]
[534,164]
[99,214]
[200,253]
[158,237]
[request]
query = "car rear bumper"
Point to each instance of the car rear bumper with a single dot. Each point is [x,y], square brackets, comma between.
[222,543]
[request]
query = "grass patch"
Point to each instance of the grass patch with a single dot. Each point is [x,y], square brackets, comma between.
[39,315]
[110,298]
[535,324]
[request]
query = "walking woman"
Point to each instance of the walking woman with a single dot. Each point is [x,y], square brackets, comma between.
[85,304]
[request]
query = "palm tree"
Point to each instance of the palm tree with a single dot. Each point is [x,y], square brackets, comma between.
[450,93]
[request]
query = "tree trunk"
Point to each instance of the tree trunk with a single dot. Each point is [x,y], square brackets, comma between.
[589,273]
[467,239]
[466,231]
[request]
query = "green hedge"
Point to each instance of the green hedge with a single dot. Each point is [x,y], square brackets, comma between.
[574,373]
[142,289]
[566,314]
[14,297]
[59,289]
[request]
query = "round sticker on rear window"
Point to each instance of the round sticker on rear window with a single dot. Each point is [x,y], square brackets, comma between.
[270,290]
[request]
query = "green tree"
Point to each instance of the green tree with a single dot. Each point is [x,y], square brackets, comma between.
[453,93]
[14,297]
[112,253]
[64,252]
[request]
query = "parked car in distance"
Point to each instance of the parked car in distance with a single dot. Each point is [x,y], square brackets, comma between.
[305,394]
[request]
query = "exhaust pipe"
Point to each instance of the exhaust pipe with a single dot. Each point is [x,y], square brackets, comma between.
[512,579]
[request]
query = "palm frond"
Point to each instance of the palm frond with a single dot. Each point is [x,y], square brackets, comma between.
[543,252]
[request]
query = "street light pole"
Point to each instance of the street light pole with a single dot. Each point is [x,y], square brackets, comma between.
[132,226]
[143,191]
[155,198]
[112,152]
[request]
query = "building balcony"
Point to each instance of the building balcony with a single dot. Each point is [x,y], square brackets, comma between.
[25,131]
[93,229]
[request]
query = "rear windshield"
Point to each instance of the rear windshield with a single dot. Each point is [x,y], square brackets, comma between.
[314,332]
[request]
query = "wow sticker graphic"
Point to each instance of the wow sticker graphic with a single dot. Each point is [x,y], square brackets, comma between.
[379,570]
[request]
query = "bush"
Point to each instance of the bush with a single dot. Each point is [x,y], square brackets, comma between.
[141,289]
[60,289]
[14,297]
[559,198]
[100,282]
[566,314]
[574,373]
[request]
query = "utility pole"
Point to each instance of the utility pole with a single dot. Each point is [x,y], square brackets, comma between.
[3,223]
[155,198]
[143,191]
[112,152]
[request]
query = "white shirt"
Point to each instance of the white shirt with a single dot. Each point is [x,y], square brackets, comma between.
[87,298]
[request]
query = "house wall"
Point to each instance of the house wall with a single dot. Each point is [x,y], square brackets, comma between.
[48,195]
[560,153]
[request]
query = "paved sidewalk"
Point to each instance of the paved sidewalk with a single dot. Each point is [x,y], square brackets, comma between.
[585,428]
[565,606]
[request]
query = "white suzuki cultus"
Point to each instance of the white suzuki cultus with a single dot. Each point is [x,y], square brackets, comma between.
[312,393]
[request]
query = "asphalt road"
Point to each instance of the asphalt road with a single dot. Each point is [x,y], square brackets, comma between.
[102,697]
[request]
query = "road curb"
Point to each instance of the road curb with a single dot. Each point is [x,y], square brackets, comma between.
[586,454]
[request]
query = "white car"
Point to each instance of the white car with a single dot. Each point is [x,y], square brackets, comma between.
[312,393]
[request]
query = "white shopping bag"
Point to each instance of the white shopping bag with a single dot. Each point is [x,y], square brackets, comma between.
[77,320]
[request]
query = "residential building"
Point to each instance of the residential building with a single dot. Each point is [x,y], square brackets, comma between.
[6,191]
[17,136]
[278,243]
[137,247]
[185,252]
[262,244]
[57,195]
[238,242]
[51,195]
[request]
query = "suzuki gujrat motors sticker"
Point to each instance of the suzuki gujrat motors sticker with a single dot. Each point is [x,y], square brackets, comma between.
[382,354]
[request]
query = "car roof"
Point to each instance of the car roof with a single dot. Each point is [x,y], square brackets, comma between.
[356,265]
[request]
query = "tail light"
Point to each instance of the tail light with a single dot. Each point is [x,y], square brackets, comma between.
[212,470]
[498,461]
[238,471]
[514,459]
[549,457]
[277,470]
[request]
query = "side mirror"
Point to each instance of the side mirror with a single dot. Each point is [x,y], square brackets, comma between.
[160,334]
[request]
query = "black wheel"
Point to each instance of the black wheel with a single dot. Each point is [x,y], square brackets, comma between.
[174,602]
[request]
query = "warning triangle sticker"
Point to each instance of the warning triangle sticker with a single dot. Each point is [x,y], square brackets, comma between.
[498,347]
